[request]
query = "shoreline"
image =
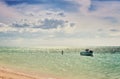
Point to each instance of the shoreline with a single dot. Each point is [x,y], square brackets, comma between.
[6,73]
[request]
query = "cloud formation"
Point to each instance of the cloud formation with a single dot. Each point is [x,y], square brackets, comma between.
[7,13]
[60,19]
[51,23]
[43,24]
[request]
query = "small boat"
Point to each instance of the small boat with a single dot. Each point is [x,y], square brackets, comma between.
[86,54]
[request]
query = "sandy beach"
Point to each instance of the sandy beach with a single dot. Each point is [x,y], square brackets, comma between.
[6,73]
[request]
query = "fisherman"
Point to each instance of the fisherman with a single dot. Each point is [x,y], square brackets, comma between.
[87,50]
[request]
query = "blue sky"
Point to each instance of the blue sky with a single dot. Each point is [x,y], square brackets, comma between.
[67,23]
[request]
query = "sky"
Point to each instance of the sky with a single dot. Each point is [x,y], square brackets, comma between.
[64,23]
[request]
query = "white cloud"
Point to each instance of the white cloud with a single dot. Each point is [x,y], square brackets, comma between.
[108,8]
[85,30]
[102,8]
[84,5]
[6,28]
[8,12]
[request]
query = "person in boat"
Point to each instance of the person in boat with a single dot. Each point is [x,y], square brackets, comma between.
[87,50]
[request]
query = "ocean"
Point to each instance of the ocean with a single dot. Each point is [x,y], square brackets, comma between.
[105,64]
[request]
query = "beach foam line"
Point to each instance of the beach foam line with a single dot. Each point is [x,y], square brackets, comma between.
[10,74]
[6,73]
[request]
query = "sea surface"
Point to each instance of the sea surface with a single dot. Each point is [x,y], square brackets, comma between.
[105,64]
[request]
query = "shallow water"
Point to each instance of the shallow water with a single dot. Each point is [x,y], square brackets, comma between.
[70,65]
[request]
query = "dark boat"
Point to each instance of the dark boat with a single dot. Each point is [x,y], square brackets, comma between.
[86,54]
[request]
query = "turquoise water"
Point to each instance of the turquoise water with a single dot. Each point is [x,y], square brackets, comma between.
[104,65]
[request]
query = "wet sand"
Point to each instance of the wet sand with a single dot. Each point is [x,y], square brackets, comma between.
[6,73]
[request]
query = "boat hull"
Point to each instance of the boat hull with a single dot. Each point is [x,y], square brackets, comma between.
[86,54]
